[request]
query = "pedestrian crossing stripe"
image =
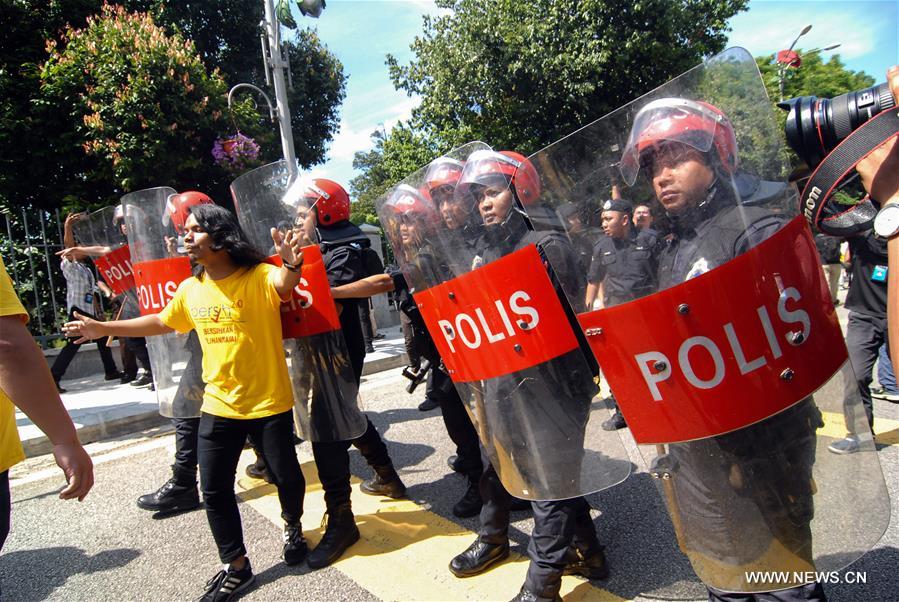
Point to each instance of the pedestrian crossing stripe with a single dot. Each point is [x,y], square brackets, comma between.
[886,430]
[405,549]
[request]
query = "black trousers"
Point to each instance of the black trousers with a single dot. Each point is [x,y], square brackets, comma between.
[409,340]
[220,443]
[136,347]
[68,352]
[458,424]
[558,525]
[5,507]
[333,462]
[184,469]
[365,318]
[812,592]
[864,336]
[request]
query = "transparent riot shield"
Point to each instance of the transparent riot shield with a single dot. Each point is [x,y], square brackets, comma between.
[504,330]
[160,265]
[326,394]
[104,233]
[730,369]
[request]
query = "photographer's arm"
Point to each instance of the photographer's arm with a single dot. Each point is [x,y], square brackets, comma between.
[879,172]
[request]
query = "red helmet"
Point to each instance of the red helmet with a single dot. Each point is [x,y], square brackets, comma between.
[409,202]
[177,207]
[691,122]
[486,167]
[443,171]
[330,200]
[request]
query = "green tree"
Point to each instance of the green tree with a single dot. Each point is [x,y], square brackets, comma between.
[394,157]
[225,33]
[814,77]
[138,103]
[522,74]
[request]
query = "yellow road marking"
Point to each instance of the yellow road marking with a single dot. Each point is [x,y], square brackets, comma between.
[404,549]
[887,430]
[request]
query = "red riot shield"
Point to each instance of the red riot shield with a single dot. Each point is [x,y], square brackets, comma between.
[105,232]
[160,265]
[507,338]
[326,395]
[730,369]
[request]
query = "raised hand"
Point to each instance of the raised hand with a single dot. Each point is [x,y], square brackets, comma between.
[288,247]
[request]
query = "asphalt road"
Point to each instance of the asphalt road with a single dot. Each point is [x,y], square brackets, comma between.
[107,549]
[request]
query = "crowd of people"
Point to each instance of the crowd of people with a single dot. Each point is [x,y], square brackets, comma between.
[466,214]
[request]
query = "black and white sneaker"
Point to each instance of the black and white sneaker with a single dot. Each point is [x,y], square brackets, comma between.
[228,583]
[295,547]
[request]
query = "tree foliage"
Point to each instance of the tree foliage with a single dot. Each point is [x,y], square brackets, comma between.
[42,162]
[522,74]
[141,104]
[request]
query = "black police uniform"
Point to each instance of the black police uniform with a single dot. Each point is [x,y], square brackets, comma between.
[341,246]
[562,525]
[626,267]
[735,520]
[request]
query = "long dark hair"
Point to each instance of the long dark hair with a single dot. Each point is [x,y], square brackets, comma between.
[226,233]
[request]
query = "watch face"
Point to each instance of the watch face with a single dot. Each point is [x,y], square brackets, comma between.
[886,224]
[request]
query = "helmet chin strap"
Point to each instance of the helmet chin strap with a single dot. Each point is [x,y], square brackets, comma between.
[704,209]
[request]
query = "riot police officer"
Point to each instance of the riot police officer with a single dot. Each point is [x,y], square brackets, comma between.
[504,187]
[740,493]
[341,243]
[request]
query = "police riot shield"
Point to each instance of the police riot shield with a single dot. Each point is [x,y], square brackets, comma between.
[105,234]
[326,396]
[504,330]
[160,264]
[719,339]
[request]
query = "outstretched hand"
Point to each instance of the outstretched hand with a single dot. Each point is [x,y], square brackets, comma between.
[288,246]
[86,328]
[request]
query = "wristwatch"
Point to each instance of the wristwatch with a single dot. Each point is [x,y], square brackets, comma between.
[886,222]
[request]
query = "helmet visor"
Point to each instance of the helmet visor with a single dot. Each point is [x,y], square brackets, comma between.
[666,120]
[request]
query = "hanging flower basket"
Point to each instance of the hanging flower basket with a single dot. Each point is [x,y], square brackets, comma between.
[236,153]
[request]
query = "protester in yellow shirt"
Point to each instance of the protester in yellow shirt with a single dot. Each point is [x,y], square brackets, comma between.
[26,382]
[233,303]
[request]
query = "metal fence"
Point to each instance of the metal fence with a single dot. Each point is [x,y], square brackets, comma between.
[28,243]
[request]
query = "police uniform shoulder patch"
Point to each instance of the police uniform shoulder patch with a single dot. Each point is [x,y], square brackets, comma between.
[697,269]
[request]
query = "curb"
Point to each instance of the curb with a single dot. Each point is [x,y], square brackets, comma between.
[91,433]
[107,429]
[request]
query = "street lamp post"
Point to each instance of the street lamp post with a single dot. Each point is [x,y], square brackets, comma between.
[786,58]
[277,63]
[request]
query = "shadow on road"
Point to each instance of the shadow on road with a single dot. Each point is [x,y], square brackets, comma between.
[35,574]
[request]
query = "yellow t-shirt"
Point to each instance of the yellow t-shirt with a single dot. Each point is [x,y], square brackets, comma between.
[11,452]
[238,322]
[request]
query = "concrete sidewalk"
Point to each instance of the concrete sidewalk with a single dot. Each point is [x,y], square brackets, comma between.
[101,409]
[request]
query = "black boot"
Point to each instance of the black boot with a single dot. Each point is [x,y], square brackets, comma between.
[258,470]
[479,557]
[295,547]
[171,497]
[385,482]
[470,504]
[590,565]
[526,595]
[340,534]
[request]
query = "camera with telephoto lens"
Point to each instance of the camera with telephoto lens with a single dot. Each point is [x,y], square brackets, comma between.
[815,126]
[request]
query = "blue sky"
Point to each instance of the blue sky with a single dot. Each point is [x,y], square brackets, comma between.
[362,32]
